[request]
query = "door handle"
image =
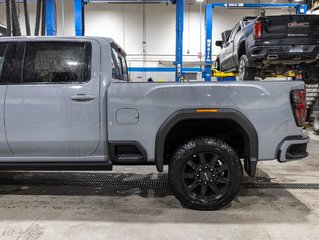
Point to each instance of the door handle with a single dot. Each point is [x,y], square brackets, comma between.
[82,98]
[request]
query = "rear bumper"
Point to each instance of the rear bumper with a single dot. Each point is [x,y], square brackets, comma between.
[293,148]
[289,54]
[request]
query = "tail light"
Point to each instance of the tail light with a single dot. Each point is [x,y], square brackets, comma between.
[299,106]
[257,29]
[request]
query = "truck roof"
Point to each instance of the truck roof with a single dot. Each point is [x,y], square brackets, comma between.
[101,40]
[45,38]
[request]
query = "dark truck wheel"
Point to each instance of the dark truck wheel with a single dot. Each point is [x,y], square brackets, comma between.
[245,73]
[205,174]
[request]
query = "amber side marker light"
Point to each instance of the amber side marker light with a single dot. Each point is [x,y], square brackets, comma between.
[206,110]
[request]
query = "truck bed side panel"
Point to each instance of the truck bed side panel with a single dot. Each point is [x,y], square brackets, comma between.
[266,104]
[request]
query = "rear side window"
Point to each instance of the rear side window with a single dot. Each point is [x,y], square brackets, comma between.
[116,65]
[3,47]
[56,62]
[3,50]
[124,68]
[3,31]
[119,67]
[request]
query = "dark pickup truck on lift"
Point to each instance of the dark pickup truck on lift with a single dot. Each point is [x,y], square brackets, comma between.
[271,45]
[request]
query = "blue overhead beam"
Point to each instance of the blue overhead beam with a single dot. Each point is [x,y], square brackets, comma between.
[163,69]
[300,9]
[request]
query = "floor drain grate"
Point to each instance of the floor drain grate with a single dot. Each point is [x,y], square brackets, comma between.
[89,183]
[271,185]
[146,183]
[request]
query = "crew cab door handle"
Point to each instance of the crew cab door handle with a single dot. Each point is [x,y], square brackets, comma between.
[82,98]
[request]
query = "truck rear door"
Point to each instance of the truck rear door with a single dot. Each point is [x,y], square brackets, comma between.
[6,58]
[52,106]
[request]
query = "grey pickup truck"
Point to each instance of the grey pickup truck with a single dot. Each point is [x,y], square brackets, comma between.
[68,104]
[272,45]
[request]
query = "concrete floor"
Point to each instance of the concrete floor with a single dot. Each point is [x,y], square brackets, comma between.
[51,212]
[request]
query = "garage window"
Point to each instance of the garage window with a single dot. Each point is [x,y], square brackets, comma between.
[56,62]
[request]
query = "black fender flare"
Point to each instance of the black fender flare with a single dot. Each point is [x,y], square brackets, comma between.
[189,114]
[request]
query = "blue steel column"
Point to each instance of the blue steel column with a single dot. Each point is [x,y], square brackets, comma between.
[79,17]
[51,20]
[179,39]
[208,43]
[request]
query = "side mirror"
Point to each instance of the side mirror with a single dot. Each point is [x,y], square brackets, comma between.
[219,44]
[225,35]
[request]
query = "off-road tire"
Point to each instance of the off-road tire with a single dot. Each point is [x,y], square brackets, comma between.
[227,156]
[245,73]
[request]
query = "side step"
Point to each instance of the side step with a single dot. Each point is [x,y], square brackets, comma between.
[130,158]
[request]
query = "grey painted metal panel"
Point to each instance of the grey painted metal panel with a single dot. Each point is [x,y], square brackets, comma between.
[127,116]
[4,148]
[266,104]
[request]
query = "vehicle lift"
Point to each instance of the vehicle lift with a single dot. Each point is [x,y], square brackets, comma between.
[207,73]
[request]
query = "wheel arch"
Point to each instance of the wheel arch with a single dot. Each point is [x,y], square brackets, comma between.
[222,114]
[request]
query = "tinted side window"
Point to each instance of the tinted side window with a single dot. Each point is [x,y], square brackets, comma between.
[124,68]
[116,65]
[6,63]
[3,47]
[56,62]
[3,31]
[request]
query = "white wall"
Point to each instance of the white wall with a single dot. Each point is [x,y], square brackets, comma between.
[124,23]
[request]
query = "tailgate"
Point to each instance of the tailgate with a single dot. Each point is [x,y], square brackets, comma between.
[290,26]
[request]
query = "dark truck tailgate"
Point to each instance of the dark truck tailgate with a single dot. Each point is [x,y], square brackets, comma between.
[291,26]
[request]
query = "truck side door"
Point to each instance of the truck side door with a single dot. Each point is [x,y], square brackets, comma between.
[52,109]
[6,61]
